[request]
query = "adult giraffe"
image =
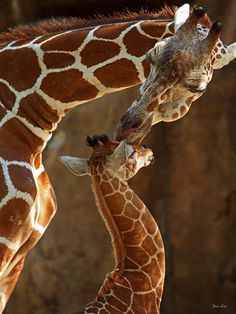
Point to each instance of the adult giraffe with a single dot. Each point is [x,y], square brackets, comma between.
[45,71]
[136,284]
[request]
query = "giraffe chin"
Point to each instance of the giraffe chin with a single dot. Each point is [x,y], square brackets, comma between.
[129,130]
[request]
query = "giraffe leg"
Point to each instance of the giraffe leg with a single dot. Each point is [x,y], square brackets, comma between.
[9,281]
[12,273]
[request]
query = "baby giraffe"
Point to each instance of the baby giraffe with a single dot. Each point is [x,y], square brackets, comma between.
[136,283]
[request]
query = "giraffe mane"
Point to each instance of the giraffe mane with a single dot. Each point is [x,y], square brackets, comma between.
[57,25]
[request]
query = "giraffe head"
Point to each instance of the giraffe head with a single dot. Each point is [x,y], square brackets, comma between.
[122,159]
[181,68]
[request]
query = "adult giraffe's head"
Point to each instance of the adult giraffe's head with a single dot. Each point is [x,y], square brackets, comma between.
[181,68]
[121,159]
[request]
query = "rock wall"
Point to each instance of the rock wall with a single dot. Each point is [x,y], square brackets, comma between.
[190,189]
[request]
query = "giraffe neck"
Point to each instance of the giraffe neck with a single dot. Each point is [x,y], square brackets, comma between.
[43,78]
[136,238]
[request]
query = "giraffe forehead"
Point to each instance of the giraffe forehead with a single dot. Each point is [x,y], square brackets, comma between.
[178,68]
[179,55]
[176,50]
[173,64]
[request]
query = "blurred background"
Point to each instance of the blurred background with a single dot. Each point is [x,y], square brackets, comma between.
[190,190]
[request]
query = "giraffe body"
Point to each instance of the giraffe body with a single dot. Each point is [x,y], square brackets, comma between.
[136,284]
[46,71]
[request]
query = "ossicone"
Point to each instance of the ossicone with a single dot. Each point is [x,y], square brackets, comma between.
[95,140]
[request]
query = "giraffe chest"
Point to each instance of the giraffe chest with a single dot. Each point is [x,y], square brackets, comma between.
[24,194]
[27,204]
[46,201]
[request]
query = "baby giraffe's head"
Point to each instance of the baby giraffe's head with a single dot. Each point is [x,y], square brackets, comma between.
[119,158]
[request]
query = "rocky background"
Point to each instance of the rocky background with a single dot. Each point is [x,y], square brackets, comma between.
[190,190]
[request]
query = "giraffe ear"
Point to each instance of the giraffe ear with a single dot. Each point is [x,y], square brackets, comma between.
[181,15]
[121,153]
[78,166]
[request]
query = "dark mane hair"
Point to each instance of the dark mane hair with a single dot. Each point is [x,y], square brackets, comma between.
[95,139]
[52,26]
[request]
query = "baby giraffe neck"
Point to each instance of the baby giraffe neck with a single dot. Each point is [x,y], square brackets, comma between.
[136,238]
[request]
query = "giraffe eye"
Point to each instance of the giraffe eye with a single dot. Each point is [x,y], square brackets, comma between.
[195,89]
[136,124]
